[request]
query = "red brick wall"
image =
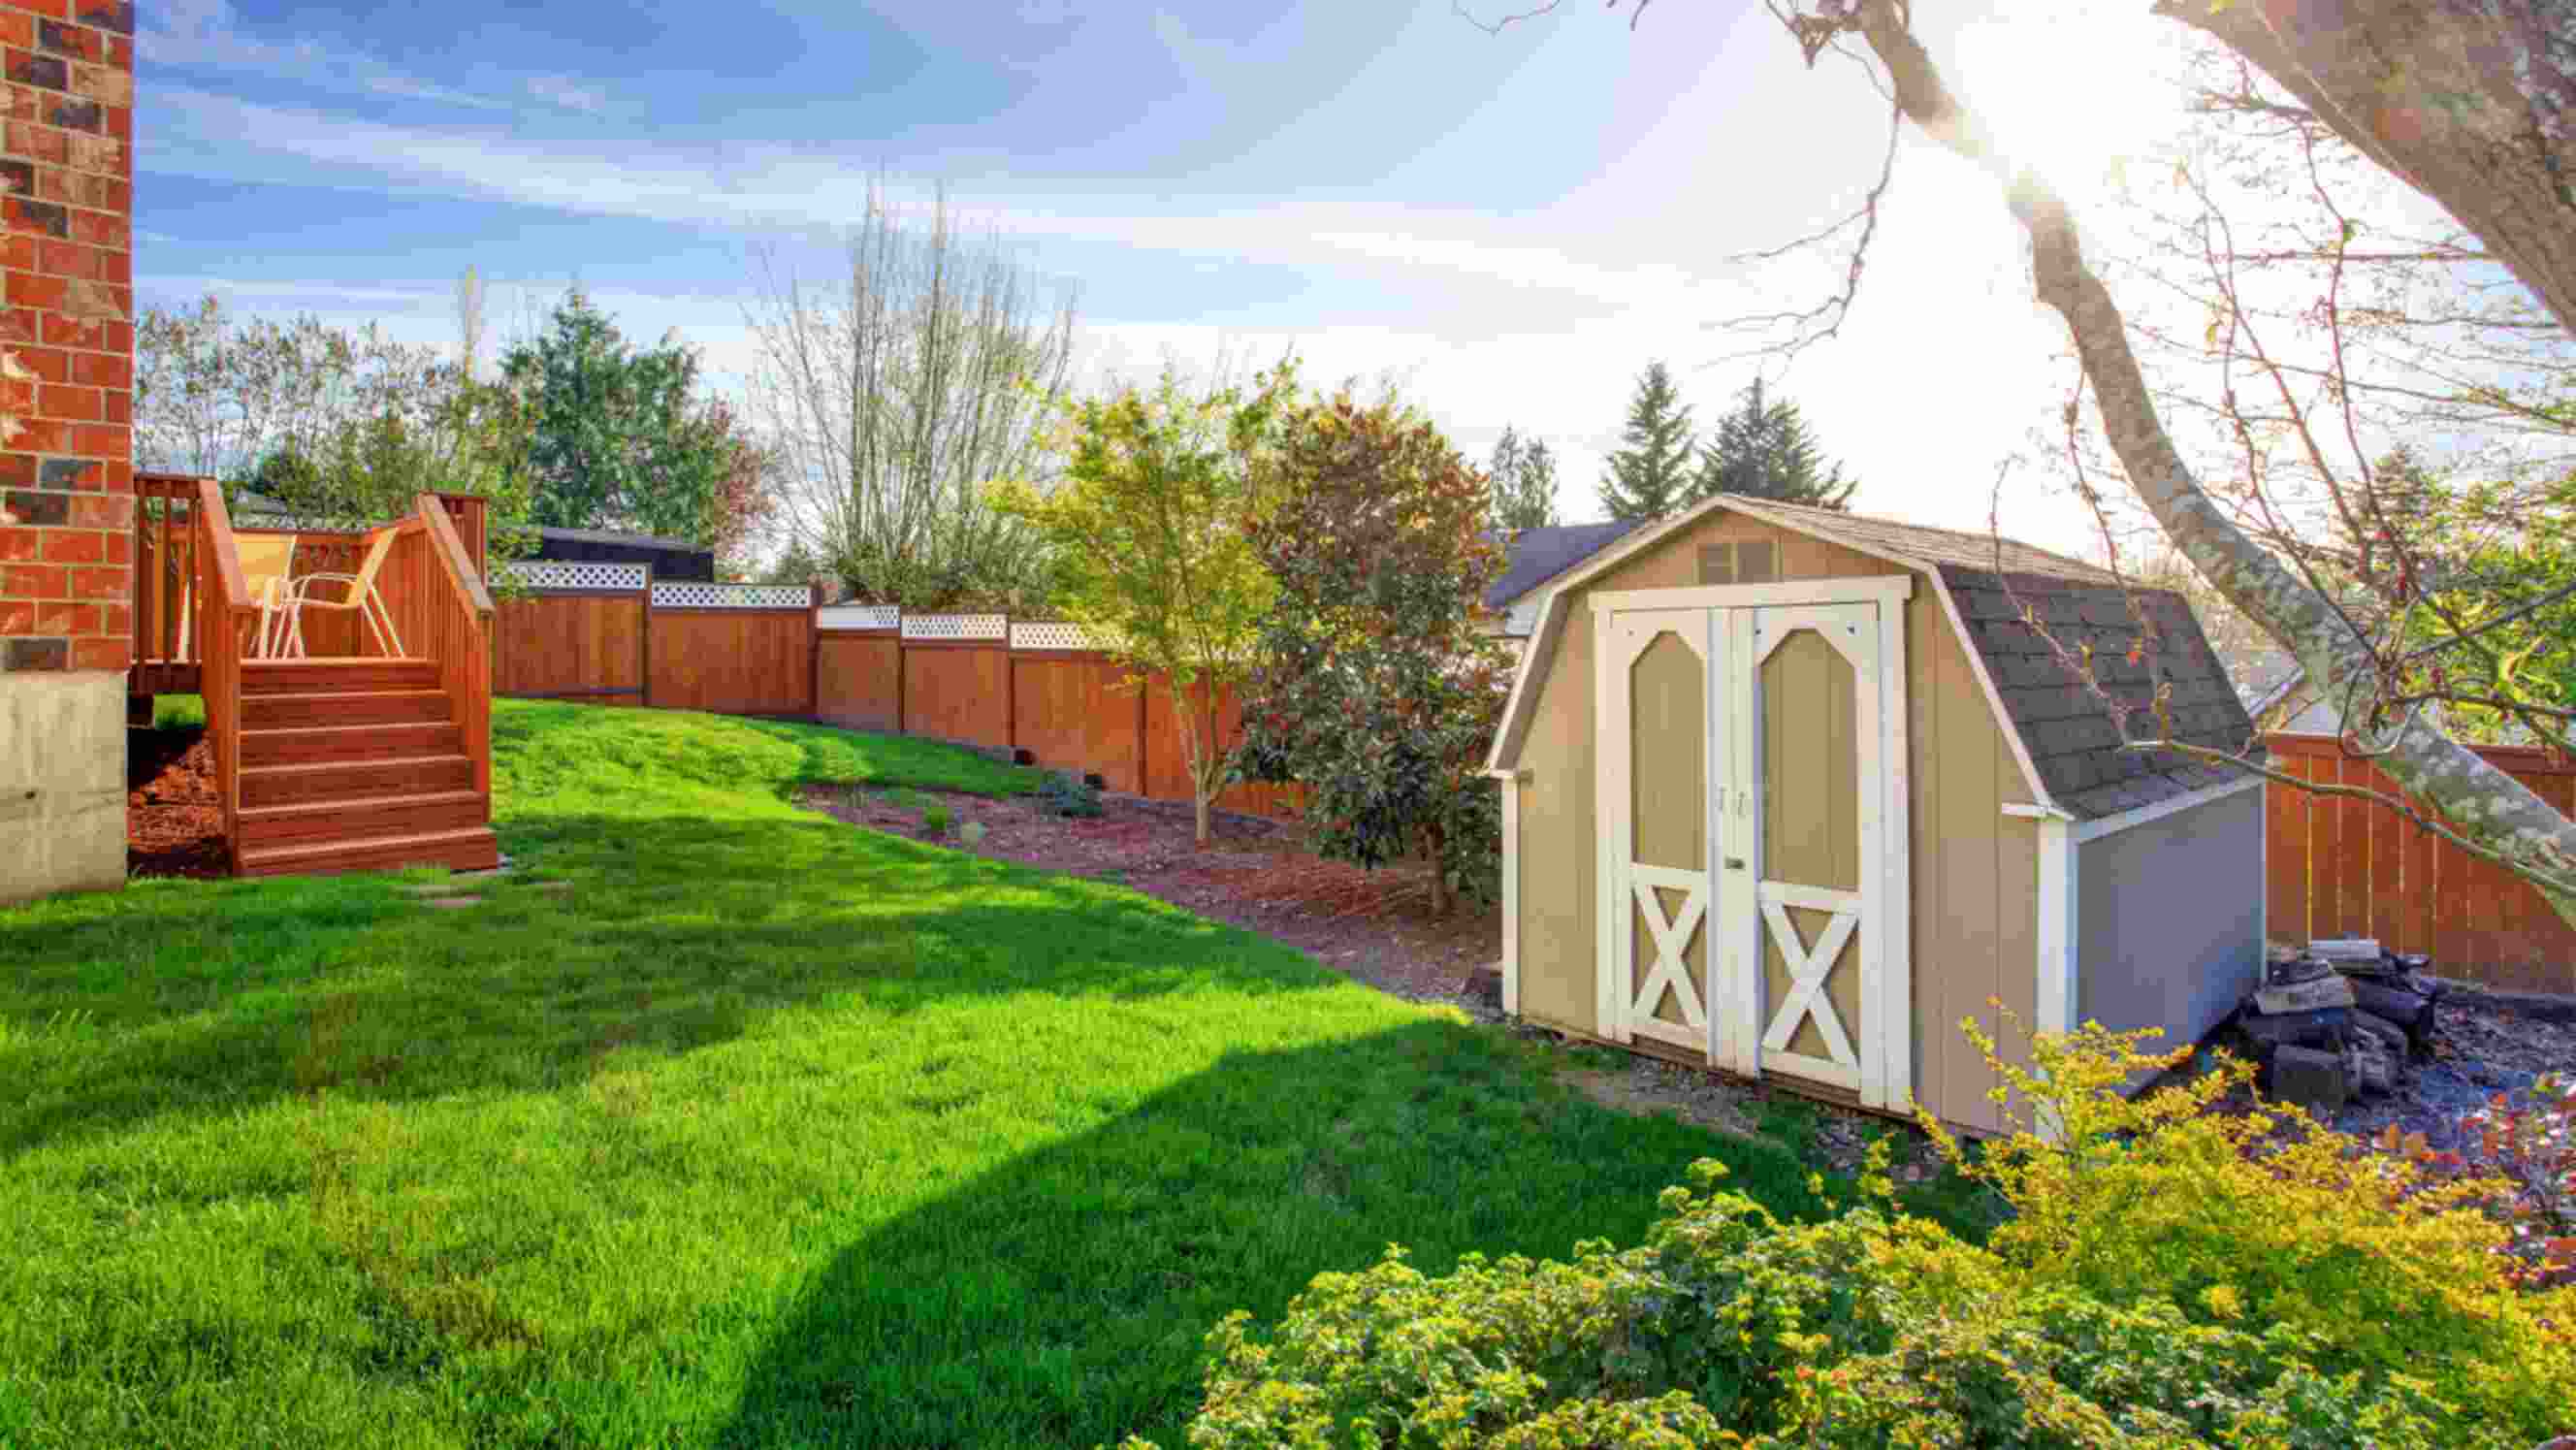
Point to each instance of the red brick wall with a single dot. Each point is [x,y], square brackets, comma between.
[67,335]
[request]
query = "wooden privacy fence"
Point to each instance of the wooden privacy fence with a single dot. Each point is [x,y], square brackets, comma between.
[2341,867]
[611,634]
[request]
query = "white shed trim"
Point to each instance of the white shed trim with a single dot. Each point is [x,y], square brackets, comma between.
[2058,988]
[1885,588]
[2094,830]
[1511,787]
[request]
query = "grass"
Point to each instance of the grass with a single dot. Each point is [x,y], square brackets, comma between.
[765,1131]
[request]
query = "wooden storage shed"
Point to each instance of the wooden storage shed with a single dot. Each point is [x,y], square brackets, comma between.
[1789,793]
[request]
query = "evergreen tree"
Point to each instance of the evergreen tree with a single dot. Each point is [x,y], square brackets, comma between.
[1763,449]
[616,438]
[1650,477]
[1524,474]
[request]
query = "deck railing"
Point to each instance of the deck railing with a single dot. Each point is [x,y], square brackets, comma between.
[225,617]
[164,532]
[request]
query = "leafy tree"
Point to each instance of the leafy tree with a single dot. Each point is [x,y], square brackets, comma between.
[1524,475]
[1377,692]
[1148,539]
[615,439]
[745,501]
[1763,449]
[1650,477]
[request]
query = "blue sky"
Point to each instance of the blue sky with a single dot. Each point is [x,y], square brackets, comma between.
[1514,223]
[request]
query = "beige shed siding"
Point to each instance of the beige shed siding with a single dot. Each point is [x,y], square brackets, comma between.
[1668,793]
[1975,869]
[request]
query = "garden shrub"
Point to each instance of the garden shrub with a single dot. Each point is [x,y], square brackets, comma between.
[935,820]
[1063,793]
[2171,1277]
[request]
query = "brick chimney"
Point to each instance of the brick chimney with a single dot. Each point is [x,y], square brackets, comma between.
[66,452]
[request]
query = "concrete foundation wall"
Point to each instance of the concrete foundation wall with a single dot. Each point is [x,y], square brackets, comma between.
[62,782]
[2170,919]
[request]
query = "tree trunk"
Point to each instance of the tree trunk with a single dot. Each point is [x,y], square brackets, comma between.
[2471,102]
[1203,795]
[2487,806]
[1439,876]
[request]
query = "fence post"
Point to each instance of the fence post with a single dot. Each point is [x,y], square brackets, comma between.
[902,705]
[813,647]
[644,645]
[1010,691]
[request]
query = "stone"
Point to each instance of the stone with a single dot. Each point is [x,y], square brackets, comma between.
[2331,990]
[2322,1028]
[2390,1035]
[2317,1081]
[452,903]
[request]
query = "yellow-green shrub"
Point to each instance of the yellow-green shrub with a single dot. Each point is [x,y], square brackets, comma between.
[2256,1219]
[2172,1278]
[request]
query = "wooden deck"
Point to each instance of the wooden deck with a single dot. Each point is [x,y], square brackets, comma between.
[346,760]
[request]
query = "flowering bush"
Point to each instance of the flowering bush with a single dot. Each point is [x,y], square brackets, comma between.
[2171,1278]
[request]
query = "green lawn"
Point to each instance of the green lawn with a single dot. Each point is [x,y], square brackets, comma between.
[769,1131]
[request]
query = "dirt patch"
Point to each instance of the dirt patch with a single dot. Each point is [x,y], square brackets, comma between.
[174,822]
[1372,926]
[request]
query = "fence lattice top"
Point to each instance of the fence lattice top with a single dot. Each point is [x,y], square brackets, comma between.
[573,574]
[682,594]
[859,616]
[956,626]
[1053,634]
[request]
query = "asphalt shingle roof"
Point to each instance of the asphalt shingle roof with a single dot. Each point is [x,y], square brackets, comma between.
[2073,737]
[1537,555]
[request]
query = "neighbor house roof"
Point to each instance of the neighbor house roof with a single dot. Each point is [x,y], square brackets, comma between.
[2066,739]
[1534,556]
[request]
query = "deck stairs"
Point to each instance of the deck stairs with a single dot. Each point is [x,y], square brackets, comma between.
[355,765]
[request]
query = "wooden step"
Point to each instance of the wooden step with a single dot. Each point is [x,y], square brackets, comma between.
[322,780]
[365,817]
[313,745]
[369,707]
[336,676]
[470,849]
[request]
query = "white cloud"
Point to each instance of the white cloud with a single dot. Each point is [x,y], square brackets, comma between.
[208,33]
[564,91]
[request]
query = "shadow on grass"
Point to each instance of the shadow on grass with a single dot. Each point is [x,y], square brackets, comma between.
[674,933]
[1064,1298]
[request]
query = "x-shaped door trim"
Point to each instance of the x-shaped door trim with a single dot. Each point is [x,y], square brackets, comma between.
[1808,968]
[1672,939]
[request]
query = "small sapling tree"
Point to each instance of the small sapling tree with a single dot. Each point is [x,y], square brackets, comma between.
[1150,553]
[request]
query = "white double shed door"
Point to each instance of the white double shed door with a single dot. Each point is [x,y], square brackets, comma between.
[1752,815]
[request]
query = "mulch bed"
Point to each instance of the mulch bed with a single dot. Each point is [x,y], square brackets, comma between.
[173,824]
[1373,926]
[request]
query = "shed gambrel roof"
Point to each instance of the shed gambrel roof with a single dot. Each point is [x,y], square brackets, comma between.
[2067,739]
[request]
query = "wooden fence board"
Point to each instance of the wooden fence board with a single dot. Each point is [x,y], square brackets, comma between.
[1073,712]
[2285,820]
[732,661]
[2366,871]
[857,680]
[584,645]
[1167,775]
[958,692]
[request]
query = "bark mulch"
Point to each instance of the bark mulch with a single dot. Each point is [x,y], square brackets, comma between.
[1373,926]
[173,826]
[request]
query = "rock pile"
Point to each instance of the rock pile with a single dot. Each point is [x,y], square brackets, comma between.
[2337,1021]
